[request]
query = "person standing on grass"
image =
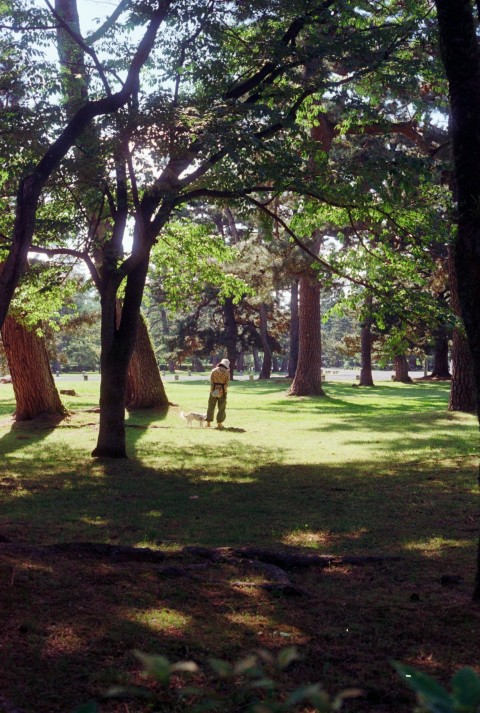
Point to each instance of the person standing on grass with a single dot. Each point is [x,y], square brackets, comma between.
[219,378]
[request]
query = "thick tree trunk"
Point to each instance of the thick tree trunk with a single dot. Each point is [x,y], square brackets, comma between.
[33,384]
[267,352]
[231,332]
[144,384]
[308,378]
[401,369]
[366,377]
[294,335]
[118,343]
[462,389]
[461,57]
[440,358]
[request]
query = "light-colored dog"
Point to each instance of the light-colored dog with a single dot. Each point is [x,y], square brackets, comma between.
[193,416]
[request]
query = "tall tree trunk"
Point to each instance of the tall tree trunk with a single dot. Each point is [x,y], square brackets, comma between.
[366,377]
[294,335]
[166,331]
[267,352]
[33,384]
[231,332]
[440,357]
[308,377]
[118,343]
[241,362]
[461,58]
[257,364]
[144,383]
[462,388]
[401,369]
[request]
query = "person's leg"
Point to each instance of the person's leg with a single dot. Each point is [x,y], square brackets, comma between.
[222,407]
[211,408]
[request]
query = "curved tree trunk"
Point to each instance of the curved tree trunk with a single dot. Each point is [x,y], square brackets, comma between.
[33,384]
[267,352]
[308,377]
[401,369]
[118,343]
[144,383]
[293,355]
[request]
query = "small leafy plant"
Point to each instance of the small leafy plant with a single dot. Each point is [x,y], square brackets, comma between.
[434,698]
[248,685]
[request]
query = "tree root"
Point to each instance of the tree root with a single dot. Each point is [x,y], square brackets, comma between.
[269,563]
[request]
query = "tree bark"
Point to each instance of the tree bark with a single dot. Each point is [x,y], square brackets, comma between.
[118,343]
[294,335]
[267,352]
[401,369]
[440,357]
[308,376]
[366,377]
[462,388]
[461,58]
[257,365]
[144,383]
[35,391]
[231,332]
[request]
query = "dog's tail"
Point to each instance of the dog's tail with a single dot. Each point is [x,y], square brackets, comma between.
[182,415]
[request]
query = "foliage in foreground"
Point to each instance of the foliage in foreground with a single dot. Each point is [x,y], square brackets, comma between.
[249,685]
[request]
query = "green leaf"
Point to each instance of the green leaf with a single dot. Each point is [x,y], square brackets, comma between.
[221,668]
[304,693]
[156,666]
[246,665]
[184,667]
[89,707]
[466,689]
[286,656]
[430,693]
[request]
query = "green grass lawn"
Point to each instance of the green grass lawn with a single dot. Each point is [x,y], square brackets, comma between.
[385,471]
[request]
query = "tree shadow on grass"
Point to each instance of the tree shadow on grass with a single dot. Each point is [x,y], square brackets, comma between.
[69,624]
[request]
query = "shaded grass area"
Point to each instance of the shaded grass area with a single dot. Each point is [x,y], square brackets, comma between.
[385,470]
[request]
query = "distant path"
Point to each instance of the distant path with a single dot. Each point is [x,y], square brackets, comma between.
[348,375]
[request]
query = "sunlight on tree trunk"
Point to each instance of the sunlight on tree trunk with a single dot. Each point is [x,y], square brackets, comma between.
[144,383]
[293,351]
[308,378]
[33,384]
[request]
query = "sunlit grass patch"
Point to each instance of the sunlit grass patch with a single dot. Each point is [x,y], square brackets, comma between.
[162,619]
[435,545]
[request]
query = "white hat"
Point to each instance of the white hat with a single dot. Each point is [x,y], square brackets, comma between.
[224,363]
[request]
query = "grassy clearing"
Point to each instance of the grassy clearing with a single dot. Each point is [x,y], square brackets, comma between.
[384,470]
